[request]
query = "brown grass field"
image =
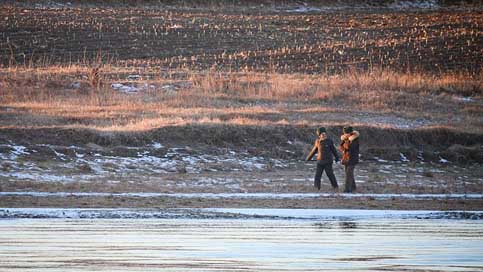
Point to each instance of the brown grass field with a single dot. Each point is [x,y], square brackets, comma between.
[242,77]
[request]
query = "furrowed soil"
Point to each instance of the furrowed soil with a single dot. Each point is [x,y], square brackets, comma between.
[260,39]
[197,99]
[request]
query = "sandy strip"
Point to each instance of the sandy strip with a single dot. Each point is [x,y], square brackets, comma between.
[247,195]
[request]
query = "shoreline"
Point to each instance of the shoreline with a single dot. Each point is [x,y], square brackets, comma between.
[232,213]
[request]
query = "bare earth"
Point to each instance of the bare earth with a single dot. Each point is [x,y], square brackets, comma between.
[191,100]
[173,171]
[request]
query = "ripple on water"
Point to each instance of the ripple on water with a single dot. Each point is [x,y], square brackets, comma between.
[392,244]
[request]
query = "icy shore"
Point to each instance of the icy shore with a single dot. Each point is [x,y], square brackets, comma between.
[227,213]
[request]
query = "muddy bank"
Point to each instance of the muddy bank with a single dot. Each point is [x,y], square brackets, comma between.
[430,144]
[172,202]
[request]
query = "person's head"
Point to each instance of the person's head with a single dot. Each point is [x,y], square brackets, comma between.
[348,130]
[320,131]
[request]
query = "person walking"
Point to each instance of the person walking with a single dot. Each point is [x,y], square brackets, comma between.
[350,156]
[326,152]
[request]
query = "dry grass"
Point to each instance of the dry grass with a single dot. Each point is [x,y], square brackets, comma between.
[41,97]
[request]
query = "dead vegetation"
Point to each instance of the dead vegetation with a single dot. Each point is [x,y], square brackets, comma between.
[130,75]
[70,97]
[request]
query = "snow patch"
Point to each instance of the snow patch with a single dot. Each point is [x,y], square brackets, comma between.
[126,88]
[442,160]
[75,85]
[403,158]
[59,155]
[424,4]
[380,160]
[176,26]
[133,77]
[39,177]
[174,160]
[79,155]
[19,150]
[463,99]
[303,9]
[157,145]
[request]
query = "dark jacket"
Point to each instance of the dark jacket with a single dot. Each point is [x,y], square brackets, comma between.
[350,148]
[325,151]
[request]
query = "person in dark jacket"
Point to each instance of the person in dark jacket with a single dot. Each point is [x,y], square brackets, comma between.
[350,156]
[326,152]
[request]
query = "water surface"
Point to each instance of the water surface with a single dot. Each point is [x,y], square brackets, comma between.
[371,244]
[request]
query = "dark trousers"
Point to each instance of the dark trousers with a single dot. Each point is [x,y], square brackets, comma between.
[330,174]
[350,183]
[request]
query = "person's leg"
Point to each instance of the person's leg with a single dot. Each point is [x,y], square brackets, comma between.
[318,176]
[330,174]
[353,178]
[349,179]
[347,185]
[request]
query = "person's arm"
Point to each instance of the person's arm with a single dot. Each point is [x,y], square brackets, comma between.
[354,149]
[334,151]
[343,139]
[312,152]
[342,147]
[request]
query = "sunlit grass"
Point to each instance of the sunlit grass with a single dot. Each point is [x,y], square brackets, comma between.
[41,97]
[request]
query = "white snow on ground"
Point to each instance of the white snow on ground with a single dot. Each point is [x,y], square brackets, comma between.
[442,160]
[247,195]
[403,158]
[463,99]
[157,145]
[423,4]
[19,150]
[133,77]
[40,176]
[176,26]
[304,9]
[380,160]
[124,88]
[306,214]
[205,181]
[398,5]
[132,87]
[79,155]
[83,164]
[59,155]
[87,164]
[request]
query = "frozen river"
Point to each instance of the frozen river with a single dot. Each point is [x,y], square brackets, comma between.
[272,240]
